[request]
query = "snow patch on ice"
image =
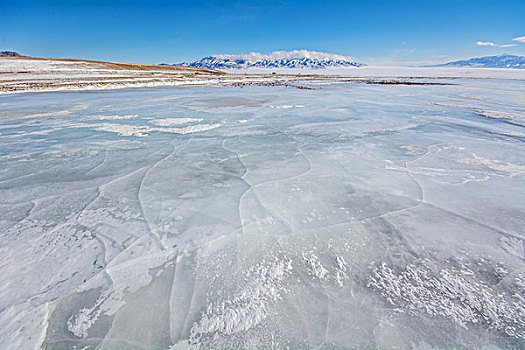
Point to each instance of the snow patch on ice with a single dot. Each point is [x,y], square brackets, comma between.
[107,304]
[118,117]
[514,246]
[488,113]
[314,267]
[191,129]
[175,121]
[499,114]
[287,106]
[143,130]
[247,308]
[120,129]
[494,164]
[456,293]
[341,269]
[400,128]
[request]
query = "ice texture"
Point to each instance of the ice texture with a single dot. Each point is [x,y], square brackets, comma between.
[342,216]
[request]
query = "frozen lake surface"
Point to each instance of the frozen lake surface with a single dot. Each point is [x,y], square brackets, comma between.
[346,216]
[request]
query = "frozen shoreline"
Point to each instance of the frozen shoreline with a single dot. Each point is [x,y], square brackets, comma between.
[25,75]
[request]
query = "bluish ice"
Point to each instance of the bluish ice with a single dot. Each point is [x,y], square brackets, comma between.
[345,216]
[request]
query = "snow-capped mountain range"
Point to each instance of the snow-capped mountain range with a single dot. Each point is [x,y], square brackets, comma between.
[277,59]
[500,61]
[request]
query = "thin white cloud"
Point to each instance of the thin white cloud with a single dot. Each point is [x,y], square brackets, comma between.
[485,43]
[491,44]
[520,39]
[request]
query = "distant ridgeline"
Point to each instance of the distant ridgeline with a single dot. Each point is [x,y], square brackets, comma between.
[10,54]
[500,61]
[277,59]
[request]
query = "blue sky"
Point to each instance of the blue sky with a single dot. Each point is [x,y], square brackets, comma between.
[175,31]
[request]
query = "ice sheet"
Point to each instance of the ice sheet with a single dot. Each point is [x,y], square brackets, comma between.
[347,216]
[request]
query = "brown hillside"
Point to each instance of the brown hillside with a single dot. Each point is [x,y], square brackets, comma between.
[120,65]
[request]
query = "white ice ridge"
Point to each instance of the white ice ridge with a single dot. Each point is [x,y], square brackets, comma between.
[247,308]
[281,55]
[456,294]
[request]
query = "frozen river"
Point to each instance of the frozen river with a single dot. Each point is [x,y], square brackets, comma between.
[343,216]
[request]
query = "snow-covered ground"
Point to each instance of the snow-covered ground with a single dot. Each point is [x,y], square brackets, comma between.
[337,215]
[397,72]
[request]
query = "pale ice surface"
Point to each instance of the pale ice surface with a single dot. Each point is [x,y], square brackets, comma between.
[345,216]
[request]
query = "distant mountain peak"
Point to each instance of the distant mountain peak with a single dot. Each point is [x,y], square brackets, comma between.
[10,54]
[276,59]
[498,61]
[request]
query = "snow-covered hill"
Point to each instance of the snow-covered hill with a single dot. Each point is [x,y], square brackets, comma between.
[277,59]
[500,61]
[10,54]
